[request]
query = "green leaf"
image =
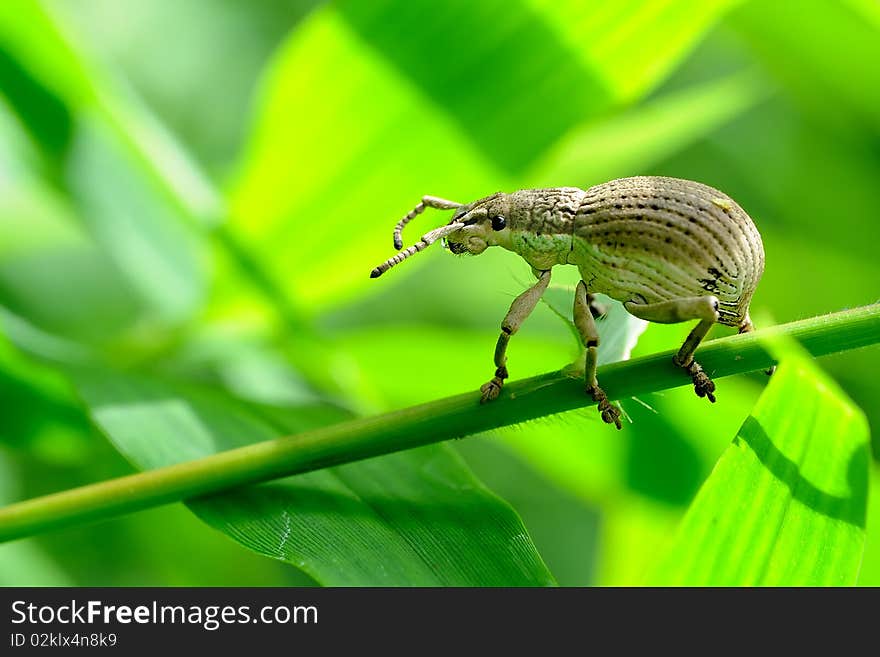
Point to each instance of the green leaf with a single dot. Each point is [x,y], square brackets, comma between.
[566,531]
[51,66]
[509,64]
[40,239]
[869,575]
[641,137]
[314,189]
[129,182]
[413,518]
[826,55]
[135,225]
[25,564]
[632,45]
[194,63]
[786,502]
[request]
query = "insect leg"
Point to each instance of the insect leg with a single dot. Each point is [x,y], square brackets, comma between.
[704,309]
[586,326]
[521,308]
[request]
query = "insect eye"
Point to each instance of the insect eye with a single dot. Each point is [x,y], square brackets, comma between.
[498,223]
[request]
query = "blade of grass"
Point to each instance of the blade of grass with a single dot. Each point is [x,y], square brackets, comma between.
[432,422]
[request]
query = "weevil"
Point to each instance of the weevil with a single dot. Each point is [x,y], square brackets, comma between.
[670,250]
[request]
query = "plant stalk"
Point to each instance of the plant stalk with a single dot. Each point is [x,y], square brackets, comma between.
[452,417]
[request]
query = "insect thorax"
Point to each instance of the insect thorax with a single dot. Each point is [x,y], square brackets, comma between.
[542,222]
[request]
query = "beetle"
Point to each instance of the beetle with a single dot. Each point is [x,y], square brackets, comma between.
[671,250]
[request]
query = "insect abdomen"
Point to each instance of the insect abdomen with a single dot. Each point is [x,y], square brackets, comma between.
[651,239]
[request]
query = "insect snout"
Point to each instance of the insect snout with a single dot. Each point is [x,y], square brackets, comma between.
[456,247]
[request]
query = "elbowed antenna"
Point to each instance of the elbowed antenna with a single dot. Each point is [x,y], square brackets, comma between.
[426,240]
[427,202]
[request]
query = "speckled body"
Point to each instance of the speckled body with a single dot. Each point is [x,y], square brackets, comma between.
[643,239]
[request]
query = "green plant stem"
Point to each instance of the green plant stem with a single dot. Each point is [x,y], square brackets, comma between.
[452,417]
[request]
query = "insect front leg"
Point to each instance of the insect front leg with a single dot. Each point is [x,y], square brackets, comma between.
[521,308]
[586,326]
[679,310]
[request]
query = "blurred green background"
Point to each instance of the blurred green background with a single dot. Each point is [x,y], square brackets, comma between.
[199,189]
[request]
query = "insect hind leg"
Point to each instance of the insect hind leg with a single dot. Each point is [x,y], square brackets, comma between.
[673,311]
